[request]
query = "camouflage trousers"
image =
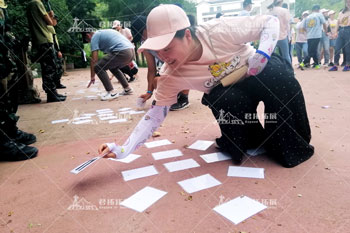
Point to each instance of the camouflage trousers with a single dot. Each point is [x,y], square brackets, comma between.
[48,62]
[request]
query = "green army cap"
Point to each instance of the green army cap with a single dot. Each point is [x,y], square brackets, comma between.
[3,4]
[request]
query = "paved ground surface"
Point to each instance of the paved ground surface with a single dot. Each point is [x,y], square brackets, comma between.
[36,195]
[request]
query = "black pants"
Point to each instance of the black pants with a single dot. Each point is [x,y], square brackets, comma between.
[312,51]
[286,134]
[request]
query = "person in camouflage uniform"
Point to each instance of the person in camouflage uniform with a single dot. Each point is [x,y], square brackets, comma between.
[13,142]
[42,40]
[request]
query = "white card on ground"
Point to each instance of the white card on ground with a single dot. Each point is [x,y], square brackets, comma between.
[104,110]
[105,114]
[91,97]
[167,154]
[255,152]
[199,183]
[84,165]
[139,173]
[117,121]
[132,112]
[143,199]
[77,98]
[81,122]
[157,143]
[247,172]
[124,112]
[215,157]
[59,121]
[239,209]
[181,165]
[108,118]
[124,109]
[88,114]
[81,118]
[201,145]
[127,159]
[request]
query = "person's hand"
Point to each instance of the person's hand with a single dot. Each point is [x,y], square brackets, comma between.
[59,54]
[92,81]
[146,96]
[104,151]
[256,64]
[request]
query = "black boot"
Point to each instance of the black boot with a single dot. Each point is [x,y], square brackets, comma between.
[225,146]
[60,86]
[12,151]
[23,137]
[53,96]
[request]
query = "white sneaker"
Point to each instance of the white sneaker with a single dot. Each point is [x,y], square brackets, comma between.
[127,91]
[109,96]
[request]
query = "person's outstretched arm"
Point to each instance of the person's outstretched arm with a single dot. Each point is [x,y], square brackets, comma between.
[144,130]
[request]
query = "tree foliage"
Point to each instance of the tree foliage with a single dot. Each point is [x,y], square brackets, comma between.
[303,5]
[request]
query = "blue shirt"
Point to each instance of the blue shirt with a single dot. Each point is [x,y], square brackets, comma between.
[109,40]
[313,25]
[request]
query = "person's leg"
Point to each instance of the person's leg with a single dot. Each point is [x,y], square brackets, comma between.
[299,48]
[305,50]
[230,106]
[287,132]
[309,53]
[338,48]
[100,69]
[48,70]
[313,50]
[331,51]
[326,49]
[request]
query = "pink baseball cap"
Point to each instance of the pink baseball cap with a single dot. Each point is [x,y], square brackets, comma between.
[162,24]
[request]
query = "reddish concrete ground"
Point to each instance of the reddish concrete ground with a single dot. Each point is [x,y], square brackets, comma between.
[36,194]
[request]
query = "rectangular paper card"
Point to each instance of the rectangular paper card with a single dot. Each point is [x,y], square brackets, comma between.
[117,121]
[143,199]
[215,157]
[157,143]
[181,165]
[104,110]
[247,172]
[84,165]
[127,159]
[199,183]
[59,121]
[239,209]
[201,145]
[139,173]
[82,122]
[124,109]
[167,154]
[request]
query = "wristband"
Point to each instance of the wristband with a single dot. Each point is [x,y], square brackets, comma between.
[150,92]
[263,53]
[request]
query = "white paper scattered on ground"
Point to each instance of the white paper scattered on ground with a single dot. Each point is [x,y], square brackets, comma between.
[201,145]
[80,92]
[124,109]
[167,154]
[91,97]
[199,183]
[84,165]
[255,152]
[117,121]
[143,199]
[105,114]
[139,173]
[104,110]
[181,165]
[59,121]
[239,209]
[77,98]
[132,112]
[215,157]
[81,118]
[326,106]
[88,114]
[127,159]
[108,118]
[247,172]
[81,122]
[125,112]
[157,143]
